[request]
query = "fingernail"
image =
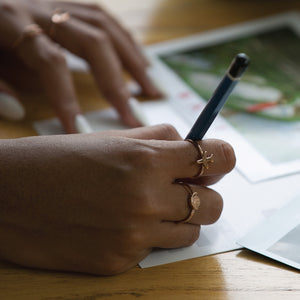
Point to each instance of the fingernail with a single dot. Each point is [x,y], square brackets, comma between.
[137,111]
[82,125]
[11,108]
[144,56]
[134,88]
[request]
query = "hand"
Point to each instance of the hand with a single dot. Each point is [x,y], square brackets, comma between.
[90,33]
[98,203]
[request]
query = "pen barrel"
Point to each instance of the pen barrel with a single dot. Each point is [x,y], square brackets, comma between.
[212,108]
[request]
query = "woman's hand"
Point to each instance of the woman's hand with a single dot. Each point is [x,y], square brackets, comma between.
[98,203]
[87,31]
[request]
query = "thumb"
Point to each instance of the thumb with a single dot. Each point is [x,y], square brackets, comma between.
[10,107]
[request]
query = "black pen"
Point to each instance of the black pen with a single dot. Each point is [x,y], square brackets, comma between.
[219,97]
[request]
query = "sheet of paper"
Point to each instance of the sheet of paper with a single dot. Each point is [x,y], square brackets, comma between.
[278,237]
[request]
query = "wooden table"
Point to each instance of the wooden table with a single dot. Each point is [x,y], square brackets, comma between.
[233,275]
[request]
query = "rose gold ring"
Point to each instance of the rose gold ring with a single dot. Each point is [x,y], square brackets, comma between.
[204,159]
[193,202]
[58,18]
[30,31]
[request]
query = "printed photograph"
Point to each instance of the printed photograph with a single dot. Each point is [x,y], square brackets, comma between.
[265,105]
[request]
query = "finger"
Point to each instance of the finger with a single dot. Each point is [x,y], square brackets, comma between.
[42,56]
[14,72]
[130,39]
[129,56]
[179,158]
[96,16]
[95,47]
[176,207]
[204,180]
[48,61]
[175,235]
[211,206]
[10,106]
[157,132]
[96,8]
[222,157]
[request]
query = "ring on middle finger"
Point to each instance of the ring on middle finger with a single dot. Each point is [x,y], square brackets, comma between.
[203,159]
[193,201]
[57,18]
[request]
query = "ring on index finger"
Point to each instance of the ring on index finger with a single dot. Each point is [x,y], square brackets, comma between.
[193,201]
[29,31]
[203,160]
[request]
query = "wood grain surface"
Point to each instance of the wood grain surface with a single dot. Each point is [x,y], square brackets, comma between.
[233,275]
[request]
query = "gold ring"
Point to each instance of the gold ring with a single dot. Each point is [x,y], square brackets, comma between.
[29,31]
[58,18]
[204,159]
[193,202]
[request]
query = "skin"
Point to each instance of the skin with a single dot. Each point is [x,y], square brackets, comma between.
[58,211]
[91,33]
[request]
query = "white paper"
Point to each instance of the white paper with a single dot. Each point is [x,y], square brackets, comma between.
[278,237]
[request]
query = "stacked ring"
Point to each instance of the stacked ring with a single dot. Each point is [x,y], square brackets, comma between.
[193,202]
[204,159]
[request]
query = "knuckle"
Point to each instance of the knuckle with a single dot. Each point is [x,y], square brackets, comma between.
[97,38]
[52,57]
[143,159]
[169,132]
[123,258]
[217,208]
[8,7]
[67,107]
[138,165]
[210,180]
[144,207]
[194,236]
[229,156]
[93,6]
[140,207]
[147,157]
[101,19]
[111,266]
[147,205]
[132,238]
[127,32]
[115,94]
[132,163]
